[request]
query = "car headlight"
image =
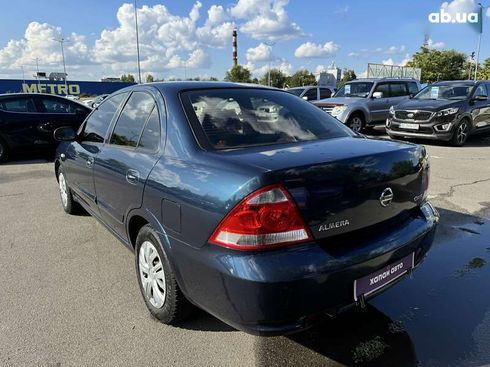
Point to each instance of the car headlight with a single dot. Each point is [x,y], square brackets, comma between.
[392,111]
[338,110]
[448,111]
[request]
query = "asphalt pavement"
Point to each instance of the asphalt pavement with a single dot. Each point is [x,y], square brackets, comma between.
[69,296]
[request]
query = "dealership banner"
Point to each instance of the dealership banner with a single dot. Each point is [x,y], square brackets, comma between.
[58,87]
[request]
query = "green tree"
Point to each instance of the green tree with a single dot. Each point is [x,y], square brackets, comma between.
[149,78]
[484,70]
[439,64]
[277,77]
[129,78]
[300,78]
[347,76]
[238,74]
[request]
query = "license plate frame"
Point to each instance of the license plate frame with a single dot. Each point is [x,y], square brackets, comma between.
[383,277]
[408,126]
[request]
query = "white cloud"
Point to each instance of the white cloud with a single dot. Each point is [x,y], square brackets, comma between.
[216,14]
[393,50]
[388,62]
[433,44]
[353,54]
[344,10]
[459,6]
[488,12]
[262,52]
[312,50]
[281,64]
[266,20]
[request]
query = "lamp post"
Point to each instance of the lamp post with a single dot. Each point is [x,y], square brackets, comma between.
[137,40]
[270,44]
[482,8]
[62,41]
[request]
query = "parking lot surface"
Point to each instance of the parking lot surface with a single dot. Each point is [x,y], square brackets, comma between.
[69,295]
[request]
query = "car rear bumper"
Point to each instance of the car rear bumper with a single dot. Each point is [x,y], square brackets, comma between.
[281,291]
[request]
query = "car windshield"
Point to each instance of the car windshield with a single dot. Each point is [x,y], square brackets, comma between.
[243,117]
[445,91]
[296,91]
[357,89]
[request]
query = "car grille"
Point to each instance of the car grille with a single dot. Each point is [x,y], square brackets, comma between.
[413,115]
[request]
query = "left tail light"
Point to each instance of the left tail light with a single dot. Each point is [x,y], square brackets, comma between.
[266,218]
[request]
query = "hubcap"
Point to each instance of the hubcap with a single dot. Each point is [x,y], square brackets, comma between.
[356,124]
[462,132]
[152,275]
[63,189]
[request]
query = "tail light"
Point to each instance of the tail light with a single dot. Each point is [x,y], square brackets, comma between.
[266,218]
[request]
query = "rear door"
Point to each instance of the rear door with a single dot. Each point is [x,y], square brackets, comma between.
[325,93]
[311,94]
[80,155]
[124,163]
[398,92]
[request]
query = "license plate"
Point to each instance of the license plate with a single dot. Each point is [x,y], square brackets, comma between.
[409,126]
[381,278]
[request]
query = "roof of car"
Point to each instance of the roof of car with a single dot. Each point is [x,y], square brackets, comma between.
[191,85]
[382,80]
[465,82]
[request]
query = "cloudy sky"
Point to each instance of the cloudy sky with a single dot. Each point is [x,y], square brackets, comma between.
[193,38]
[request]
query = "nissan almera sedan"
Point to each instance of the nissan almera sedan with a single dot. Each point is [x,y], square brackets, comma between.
[247,202]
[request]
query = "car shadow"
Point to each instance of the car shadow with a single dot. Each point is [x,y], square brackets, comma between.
[28,158]
[364,337]
[202,321]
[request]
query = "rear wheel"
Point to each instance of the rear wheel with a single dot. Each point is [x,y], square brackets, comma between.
[156,280]
[356,122]
[461,133]
[3,151]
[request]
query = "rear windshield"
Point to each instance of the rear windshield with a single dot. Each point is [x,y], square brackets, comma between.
[244,117]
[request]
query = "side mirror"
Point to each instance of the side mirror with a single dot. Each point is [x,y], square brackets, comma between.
[64,134]
[480,97]
[305,98]
[377,95]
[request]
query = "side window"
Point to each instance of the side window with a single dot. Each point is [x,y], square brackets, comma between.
[150,138]
[18,105]
[481,91]
[325,93]
[383,88]
[98,123]
[311,94]
[132,119]
[398,89]
[413,88]
[55,105]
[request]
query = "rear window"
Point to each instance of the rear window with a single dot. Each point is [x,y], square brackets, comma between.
[18,105]
[236,118]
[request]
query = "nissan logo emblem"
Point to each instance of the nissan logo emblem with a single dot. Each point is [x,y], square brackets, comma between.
[386,197]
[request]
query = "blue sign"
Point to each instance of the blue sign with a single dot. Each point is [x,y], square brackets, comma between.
[58,87]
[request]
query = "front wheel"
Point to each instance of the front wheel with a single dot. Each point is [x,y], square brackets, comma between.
[461,133]
[356,123]
[69,205]
[156,280]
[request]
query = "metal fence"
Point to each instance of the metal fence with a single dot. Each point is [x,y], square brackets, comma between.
[393,71]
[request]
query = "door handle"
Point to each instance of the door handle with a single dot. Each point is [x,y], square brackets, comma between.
[90,161]
[132,176]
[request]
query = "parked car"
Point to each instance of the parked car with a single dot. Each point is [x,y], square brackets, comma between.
[98,100]
[72,97]
[312,93]
[449,111]
[264,223]
[27,121]
[366,102]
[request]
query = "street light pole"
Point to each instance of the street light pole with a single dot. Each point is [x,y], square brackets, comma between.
[137,40]
[270,44]
[482,8]
[62,41]
[37,73]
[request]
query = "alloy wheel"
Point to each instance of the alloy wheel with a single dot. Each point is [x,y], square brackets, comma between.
[356,124]
[462,132]
[152,275]
[63,189]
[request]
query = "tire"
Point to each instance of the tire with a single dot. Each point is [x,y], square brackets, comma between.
[162,294]
[356,122]
[461,133]
[4,150]
[69,205]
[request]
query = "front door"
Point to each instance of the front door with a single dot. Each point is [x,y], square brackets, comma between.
[80,156]
[480,110]
[379,107]
[125,162]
